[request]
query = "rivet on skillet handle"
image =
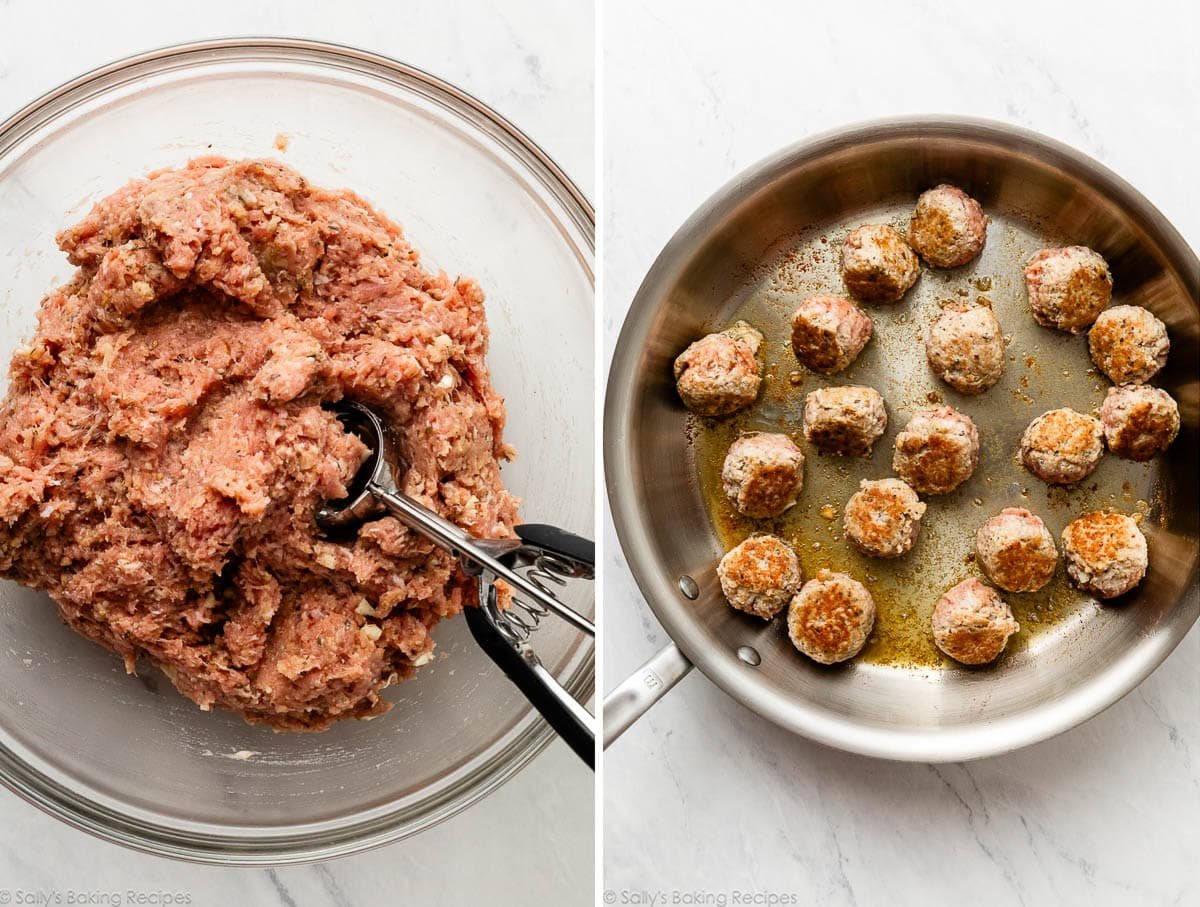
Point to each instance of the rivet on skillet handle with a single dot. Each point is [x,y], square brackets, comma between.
[634,696]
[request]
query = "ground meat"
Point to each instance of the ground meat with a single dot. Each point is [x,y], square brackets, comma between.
[759,575]
[1068,287]
[877,264]
[1016,550]
[947,228]
[719,374]
[164,442]
[844,420]
[937,451]
[831,618]
[1106,553]
[1129,344]
[1062,446]
[883,518]
[965,347]
[1140,422]
[763,474]
[972,623]
[828,333]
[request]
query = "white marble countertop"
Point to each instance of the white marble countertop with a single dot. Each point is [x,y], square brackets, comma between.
[703,797]
[533,62]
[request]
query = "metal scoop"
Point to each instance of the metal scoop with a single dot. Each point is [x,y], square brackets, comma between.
[549,556]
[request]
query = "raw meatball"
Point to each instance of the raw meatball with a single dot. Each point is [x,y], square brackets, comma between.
[719,374]
[1067,287]
[1062,446]
[759,575]
[1129,344]
[830,619]
[883,518]
[947,228]
[1016,550]
[937,451]
[1106,553]
[763,474]
[965,347]
[972,623]
[1140,422]
[828,333]
[877,264]
[844,420]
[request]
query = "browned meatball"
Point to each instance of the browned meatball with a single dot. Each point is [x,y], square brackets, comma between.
[1106,553]
[1016,550]
[972,623]
[877,264]
[763,474]
[883,518]
[831,618]
[828,333]
[759,575]
[1062,446]
[719,373]
[844,420]
[1129,344]
[1140,421]
[1067,287]
[937,451]
[947,228]
[965,347]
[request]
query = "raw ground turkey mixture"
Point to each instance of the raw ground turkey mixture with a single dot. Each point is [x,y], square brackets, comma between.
[163,445]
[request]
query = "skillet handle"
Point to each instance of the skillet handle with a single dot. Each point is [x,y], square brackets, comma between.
[634,696]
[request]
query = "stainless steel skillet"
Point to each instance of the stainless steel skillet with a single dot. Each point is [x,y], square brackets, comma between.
[1035,189]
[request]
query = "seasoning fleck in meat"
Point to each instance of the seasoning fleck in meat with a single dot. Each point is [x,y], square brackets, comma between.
[163,442]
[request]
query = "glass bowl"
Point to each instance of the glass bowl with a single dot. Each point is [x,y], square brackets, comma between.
[129,759]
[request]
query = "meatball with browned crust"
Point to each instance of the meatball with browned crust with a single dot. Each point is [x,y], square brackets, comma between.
[877,264]
[1140,421]
[759,575]
[1062,447]
[1129,344]
[972,623]
[763,474]
[948,227]
[1106,553]
[844,420]
[965,347]
[719,373]
[937,451]
[828,333]
[1068,288]
[883,518]
[1016,550]
[831,618]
